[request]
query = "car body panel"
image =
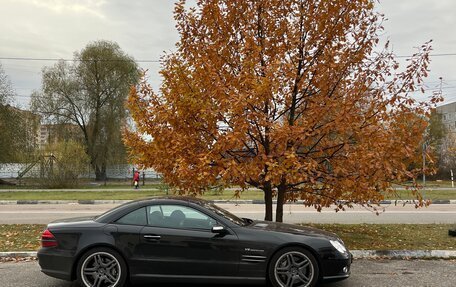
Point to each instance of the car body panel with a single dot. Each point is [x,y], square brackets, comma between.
[239,254]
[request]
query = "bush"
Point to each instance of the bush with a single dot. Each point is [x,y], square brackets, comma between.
[65,162]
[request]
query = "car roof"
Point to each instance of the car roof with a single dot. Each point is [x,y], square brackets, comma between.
[130,206]
[185,199]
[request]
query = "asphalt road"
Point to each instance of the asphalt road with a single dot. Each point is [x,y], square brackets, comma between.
[437,213]
[366,273]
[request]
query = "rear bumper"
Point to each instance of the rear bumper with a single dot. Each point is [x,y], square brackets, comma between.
[56,263]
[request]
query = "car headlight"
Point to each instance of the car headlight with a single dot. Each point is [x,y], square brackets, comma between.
[339,246]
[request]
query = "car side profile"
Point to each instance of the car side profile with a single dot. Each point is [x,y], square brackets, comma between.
[183,239]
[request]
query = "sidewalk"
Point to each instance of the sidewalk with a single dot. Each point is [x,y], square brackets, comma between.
[255,201]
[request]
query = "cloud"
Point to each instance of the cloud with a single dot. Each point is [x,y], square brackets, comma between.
[91,7]
[145,29]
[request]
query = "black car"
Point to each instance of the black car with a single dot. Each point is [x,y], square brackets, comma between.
[182,239]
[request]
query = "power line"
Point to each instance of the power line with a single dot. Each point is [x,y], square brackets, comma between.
[71,60]
[154,61]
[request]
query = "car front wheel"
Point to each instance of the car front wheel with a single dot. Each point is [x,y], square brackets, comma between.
[293,267]
[101,267]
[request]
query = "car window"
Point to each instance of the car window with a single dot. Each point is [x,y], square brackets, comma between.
[177,216]
[137,217]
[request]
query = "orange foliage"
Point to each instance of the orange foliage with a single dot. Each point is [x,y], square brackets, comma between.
[292,97]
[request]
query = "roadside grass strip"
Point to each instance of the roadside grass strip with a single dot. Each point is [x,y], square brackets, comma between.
[118,195]
[393,236]
[130,194]
[20,237]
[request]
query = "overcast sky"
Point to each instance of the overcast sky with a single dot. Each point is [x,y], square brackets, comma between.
[145,28]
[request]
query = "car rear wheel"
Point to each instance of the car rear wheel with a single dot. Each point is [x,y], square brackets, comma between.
[102,267]
[293,267]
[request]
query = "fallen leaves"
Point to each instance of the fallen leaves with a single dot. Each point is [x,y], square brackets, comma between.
[18,237]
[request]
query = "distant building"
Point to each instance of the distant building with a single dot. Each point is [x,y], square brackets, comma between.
[448,113]
[52,133]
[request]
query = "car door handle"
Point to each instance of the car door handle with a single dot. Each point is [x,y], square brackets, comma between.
[152,237]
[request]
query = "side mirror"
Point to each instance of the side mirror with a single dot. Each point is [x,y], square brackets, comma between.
[219,230]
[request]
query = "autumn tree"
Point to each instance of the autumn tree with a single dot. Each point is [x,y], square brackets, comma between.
[293,97]
[91,92]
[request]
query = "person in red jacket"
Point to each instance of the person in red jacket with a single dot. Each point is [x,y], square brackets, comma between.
[136,179]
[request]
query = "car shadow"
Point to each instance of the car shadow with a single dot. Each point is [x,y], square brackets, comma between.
[329,284]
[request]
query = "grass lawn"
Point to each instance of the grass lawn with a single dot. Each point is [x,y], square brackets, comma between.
[394,236]
[20,237]
[439,194]
[25,237]
[130,194]
[111,195]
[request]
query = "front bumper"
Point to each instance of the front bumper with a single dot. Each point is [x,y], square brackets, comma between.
[337,269]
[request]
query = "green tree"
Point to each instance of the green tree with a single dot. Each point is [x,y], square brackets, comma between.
[17,127]
[6,130]
[436,130]
[436,143]
[90,93]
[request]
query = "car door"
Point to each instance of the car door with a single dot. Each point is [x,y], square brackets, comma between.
[126,232]
[178,241]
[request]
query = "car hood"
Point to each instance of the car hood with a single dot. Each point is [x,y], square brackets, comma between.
[292,229]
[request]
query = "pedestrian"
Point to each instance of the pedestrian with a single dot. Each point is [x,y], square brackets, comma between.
[136,179]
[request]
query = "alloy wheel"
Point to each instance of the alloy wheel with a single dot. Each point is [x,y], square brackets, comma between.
[294,269]
[101,269]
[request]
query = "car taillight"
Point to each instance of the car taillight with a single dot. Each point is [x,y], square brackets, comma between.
[48,239]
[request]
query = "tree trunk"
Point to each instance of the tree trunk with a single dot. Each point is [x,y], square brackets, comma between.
[100,172]
[280,202]
[268,201]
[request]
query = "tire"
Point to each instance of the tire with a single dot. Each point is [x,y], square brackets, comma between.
[101,267]
[293,267]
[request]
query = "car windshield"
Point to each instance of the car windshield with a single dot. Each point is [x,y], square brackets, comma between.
[226,214]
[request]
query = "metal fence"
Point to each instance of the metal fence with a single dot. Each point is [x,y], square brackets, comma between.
[119,171]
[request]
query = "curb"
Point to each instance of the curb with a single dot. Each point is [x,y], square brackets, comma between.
[357,254]
[255,201]
[403,254]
